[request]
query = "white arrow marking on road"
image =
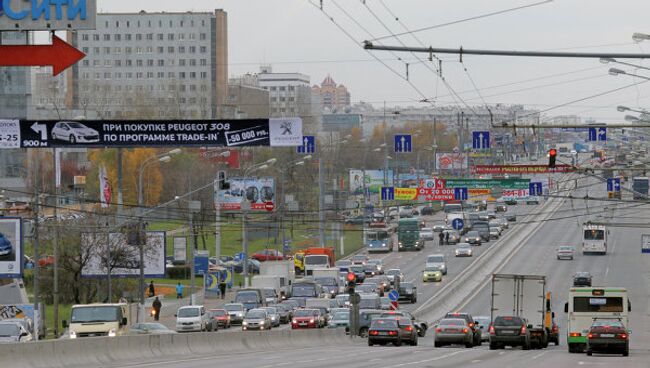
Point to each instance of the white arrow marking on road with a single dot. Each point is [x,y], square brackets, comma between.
[40,128]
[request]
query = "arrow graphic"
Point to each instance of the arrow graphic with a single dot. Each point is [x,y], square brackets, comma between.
[59,55]
[480,140]
[40,128]
[402,145]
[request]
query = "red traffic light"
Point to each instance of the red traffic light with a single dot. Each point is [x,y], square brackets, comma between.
[552,152]
[351,277]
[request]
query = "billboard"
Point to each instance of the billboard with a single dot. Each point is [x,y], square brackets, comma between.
[124,258]
[258,192]
[11,247]
[180,249]
[21,15]
[150,133]
[520,169]
[374,180]
[487,183]
[451,161]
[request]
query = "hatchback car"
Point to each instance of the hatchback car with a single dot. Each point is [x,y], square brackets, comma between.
[426,234]
[222,317]
[494,233]
[431,274]
[394,272]
[453,331]
[74,132]
[582,279]
[13,332]
[471,323]
[437,260]
[379,263]
[383,331]
[509,331]
[236,312]
[339,319]
[256,319]
[472,237]
[463,250]
[273,315]
[408,291]
[360,259]
[307,318]
[566,252]
[607,336]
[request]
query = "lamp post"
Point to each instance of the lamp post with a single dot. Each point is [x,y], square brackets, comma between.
[283,171]
[217,212]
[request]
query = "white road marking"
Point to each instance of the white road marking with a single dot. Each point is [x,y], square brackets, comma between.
[539,355]
[476,360]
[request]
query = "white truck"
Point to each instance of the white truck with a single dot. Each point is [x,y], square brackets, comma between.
[329,280]
[268,281]
[522,296]
[283,271]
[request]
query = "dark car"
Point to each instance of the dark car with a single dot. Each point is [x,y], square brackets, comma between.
[472,237]
[427,211]
[453,331]
[284,312]
[420,326]
[501,208]
[407,331]
[408,291]
[366,316]
[359,271]
[509,331]
[383,331]
[607,336]
[371,269]
[582,279]
[471,324]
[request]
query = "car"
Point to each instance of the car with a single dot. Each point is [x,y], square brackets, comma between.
[360,271]
[427,211]
[284,311]
[268,255]
[607,336]
[382,280]
[501,208]
[407,331]
[343,263]
[439,226]
[452,331]
[307,318]
[511,201]
[378,246]
[426,234]
[74,132]
[394,272]
[431,274]
[472,237]
[340,318]
[566,252]
[370,269]
[471,323]
[532,200]
[332,311]
[383,331]
[236,312]
[582,279]
[369,301]
[192,318]
[13,332]
[357,220]
[483,323]
[273,315]
[511,217]
[496,223]
[509,331]
[454,236]
[222,317]
[368,288]
[494,233]
[483,216]
[256,319]
[503,222]
[386,303]
[212,324]
[253,266]
[360,259]
[291,304]
[26,322]
[463,250]
[491,214]
[150,329]
[366,316]
[343,300]
[437,260]
[379,263]
[408,291]
[6,249]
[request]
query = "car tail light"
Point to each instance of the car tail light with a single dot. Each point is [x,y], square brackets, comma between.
[465,330]
[392,333]
[554,328]
[438,329]
[574,334]
[492,330]
[523,330]
[374,333]
[311,320]
[409,328]
[622,336]
[471,325]
[591,336]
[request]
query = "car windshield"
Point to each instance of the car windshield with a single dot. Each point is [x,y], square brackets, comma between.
[407,285]
[463,246]
[247,297]
[472,234]
[508,321]
[582,274]
[75,125]
[305,313]
[154,326]
[256,313]
[95,314]
[188,312]
[316,259]
[359,258]
[234,307]
[384,323]
[435,259]
[453,322]
[326,281]
[343,263]
[269,293]
[341,316]
[608,323]
[219,312]
[393,272]
[483,321]
[566,248]
[271,310]
[357,269]
[9,329]
[303,290]
[594,234]
[432,268]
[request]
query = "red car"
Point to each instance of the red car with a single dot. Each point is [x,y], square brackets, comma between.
[268,255]
[46,261]
[222,317]
[307,318]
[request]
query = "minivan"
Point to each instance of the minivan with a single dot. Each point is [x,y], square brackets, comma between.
[191,318]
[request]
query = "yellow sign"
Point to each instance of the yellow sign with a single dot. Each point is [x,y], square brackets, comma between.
[478,192]
[406,194]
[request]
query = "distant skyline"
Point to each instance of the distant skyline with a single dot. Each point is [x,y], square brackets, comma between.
[295,36]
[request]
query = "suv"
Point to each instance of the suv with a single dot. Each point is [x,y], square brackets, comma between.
[471,323]
[509,330]
[582,279]
[192,319]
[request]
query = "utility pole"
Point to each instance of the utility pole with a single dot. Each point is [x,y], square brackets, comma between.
[55,287]
[321,201]
[120,203]
[35,175]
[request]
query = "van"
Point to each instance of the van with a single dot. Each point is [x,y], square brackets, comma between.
[250,298]
[91,320]
[191,318]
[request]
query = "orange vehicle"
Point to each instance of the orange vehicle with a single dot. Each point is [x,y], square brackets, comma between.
[299,257]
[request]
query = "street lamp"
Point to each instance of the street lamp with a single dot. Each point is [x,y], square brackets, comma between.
[615,71]
[283,171]
[640,37]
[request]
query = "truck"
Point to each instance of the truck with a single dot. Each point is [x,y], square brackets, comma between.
[283,271]
[408,235]
[267,281]
[93,320]
[328,279]
[300,259]
[522,296]
[640,187]
[303,289]
[251,298]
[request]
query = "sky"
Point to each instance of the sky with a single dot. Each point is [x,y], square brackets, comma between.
[297,36]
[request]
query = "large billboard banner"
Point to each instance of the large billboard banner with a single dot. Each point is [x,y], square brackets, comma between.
[11,248]
[150,133]
[258,192]
[451,161]
[374,180]
[520,169]
[124,258]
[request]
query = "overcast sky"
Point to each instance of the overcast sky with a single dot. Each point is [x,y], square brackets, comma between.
[295,36]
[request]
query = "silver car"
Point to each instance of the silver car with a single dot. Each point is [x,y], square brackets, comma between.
[453,331]
[426,234]
[437,260]
[566,252]
[463,250]
[256,319]
[273,315]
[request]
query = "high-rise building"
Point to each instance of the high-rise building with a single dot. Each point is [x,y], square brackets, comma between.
[153,65]
[335,97]
[289,93]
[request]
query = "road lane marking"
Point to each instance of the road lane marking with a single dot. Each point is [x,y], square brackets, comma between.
[539,355]
[476,361]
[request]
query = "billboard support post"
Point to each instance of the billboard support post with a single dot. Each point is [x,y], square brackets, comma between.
[37,322]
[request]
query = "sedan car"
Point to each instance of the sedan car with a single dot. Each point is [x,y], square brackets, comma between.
[439,226]
[256,319]
[370,269]
[509,331]
[408,291]
[13,332]
[566,252]
[494,233]
[426,234]
[74,132]
[307,318]
[463,250]
[150,329]
[5,246]
[268,255]
[236,312]
[607,336]
[511,217]
[222,317]
[383,331]
[394,272]
[284,311]
[431,274]
[472,237]
[339,319]
[360,259]
[582,279]
[379,246]
[379,263]
[453,331]
[420,326]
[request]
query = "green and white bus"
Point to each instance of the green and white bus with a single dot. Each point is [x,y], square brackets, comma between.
[587,303]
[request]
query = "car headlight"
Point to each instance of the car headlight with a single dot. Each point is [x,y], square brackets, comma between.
[245,323]
[73,335]
[240,314]
[272,318]
[111,333]
[311,320]
[332,291]
[295,321]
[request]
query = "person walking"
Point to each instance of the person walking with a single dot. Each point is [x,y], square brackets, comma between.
[441,237]
[156,305]
[222,288]
[152,290]
[179,291]
[447,238]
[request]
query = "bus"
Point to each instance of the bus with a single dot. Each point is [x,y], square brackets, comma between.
[587,303]
[594,239]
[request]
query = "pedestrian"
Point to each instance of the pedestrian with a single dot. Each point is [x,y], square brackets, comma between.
[441,236]
[156,305]
[447,238]
[179,291]
[222,289]
[152,290]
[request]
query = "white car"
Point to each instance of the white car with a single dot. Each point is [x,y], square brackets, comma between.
[13,332]
[437,260]
[463,250]
[192,319]
[74,132]
[426,233]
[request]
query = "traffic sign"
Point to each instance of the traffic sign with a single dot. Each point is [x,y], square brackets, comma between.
[238,257]
[393,295]
[394,305]
[481,140]
[597,134]
[403,143]
[59,55]
[535,189]
[460,194]
[457,223]
[614,184]
[308,146]
[269,206]
[387,193]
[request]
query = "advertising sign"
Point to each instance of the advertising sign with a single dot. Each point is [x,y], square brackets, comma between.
[47,15]
[487,183]
[180,249]
[11,248]
[431,194]
[515,193]
[433,183]
[451,161]
[519,169]
[228,156]
[406,194]
[258,192]
[150,133]
[124,258]
[374,180]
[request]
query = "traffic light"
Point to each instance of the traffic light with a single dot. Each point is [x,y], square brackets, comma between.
[552,154]
[351,278]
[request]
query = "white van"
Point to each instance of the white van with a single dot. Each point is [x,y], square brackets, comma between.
[92,320]
[191,318]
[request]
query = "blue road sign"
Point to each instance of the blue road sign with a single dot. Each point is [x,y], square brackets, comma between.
[457,223]
[403,143]
[238,257]
[201,265]
[535,188]
[460,194]
[393,295]
[614,184]
[597,134]
[481,140]
[387,193]
[308,145]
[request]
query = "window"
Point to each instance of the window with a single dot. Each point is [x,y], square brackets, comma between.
[192,62]
[204,62]
[107,37]
[85,50]
[282,99]
[192,75]
[96,50]
[118,76]
[181,23]
[161,62]
[129,75]
[170,36]
[192,49]
[149,36]
[138,50]
[107,63]
[181,36]
[181,62]
[204,75]
[171,62]
[204,49]
[118,50]
[86,63]
[138,63]
[95,37]
[181,49]
[128,50]
[192,100]
[150,62]
[127,37]
[149,50]
[181,75]
[274,99]
[203,36]
[161,49]
[96,62]
[107,50]
[97,76]
[160,36]
[598,304]
[192,87]
[292,88]
[192,36]
[204,88]
[282,88]
[128,62]
[85,37]
[161,75]
[107,75]
[291,99]
[273,88]
[138,75]
[118,37]
[170,49]
[128,24]
[117,24]
[182,88]
[149,75]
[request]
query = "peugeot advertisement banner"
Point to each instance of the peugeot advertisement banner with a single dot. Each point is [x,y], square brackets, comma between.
[11,247]
[259,192]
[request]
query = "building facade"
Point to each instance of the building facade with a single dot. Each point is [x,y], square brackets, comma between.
[152,65]
[335,98]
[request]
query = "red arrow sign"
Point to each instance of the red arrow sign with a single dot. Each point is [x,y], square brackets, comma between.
[59,55]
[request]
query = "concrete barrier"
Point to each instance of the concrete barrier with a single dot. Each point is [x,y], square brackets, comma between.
[98,351]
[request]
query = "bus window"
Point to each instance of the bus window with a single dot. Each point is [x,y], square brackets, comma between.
[595,304]
[594,235]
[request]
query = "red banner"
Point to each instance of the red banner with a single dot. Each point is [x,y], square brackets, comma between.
[520,169]
[430,194]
